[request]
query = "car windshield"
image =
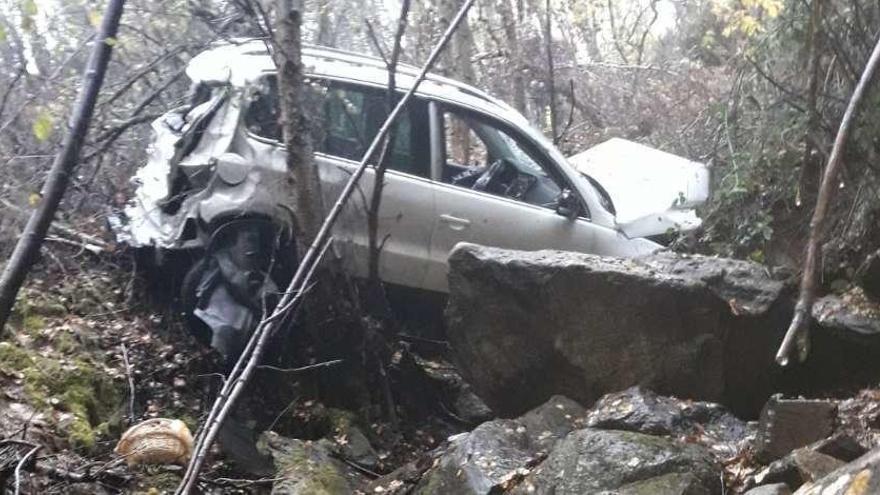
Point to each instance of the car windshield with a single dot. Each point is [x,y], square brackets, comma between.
[502,146]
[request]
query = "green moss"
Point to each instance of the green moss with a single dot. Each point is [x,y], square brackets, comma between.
[324,479]
[340,419]
[80,389]
[65,343]
[156,480]
[13,358]
[308,469]
[33,324]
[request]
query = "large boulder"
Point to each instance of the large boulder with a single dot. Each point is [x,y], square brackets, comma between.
[595,461]
[497,453]
[527,325]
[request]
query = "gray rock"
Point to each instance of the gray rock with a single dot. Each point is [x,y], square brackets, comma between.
[552,421]
[667,484]
[637,409]
[500,451]
[851,315]
[457,394]
[774,489]
[840,446]
[787,424]
[593,461]
[801,466]
[528,325]
[350,441]
[306,467]
[641,410]
[860,477]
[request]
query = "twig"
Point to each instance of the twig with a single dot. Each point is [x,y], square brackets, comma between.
[130,383]
[58,70]
[3,101]
[325,364]
[242,483]
[21,464]
[110,136]
[412,338]
[557,138]
[96,250]
[356,466]
[253,350]
[798,331]
[62,228]
[375,39]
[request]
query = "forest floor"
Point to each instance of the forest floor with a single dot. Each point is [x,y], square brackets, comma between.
[91,352]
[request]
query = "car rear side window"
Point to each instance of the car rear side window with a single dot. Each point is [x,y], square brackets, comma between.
[348,117]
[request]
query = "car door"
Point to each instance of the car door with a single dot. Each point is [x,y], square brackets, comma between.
[345,117]
[520,215]
[353,115]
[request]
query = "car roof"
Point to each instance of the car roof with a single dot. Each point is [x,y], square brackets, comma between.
[242,61]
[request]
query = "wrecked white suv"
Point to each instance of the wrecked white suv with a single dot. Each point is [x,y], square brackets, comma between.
[464,167]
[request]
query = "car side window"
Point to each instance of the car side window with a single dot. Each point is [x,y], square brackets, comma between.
[348,118]
[484,156]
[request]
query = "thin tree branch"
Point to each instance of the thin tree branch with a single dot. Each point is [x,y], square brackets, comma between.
[798,331]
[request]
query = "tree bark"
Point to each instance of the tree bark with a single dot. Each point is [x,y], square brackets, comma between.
[28,246]
[510,33]
[809,176]
[384,158]
[551,76]
[798,330]
[294,125]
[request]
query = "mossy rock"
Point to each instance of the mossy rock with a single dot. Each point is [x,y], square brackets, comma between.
[307,467]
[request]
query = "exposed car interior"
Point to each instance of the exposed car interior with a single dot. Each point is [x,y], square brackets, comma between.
[486,158]
[349,116]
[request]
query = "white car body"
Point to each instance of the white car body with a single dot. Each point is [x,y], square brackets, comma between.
[231,172]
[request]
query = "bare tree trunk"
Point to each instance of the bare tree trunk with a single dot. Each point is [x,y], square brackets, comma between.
[375,247]
[306,187]
[551,76]
[800,323]
[326,31]
[512,38]
[809,176]
[28,246]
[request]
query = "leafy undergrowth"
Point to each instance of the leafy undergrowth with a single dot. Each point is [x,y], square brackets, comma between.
[66,387]
[66,382]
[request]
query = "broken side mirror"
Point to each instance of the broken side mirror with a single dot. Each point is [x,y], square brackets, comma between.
[567,204]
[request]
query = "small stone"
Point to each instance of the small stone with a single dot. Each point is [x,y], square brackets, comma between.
[804,465]
[840,446]
[774,489]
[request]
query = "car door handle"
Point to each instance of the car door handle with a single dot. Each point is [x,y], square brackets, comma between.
[455,223]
